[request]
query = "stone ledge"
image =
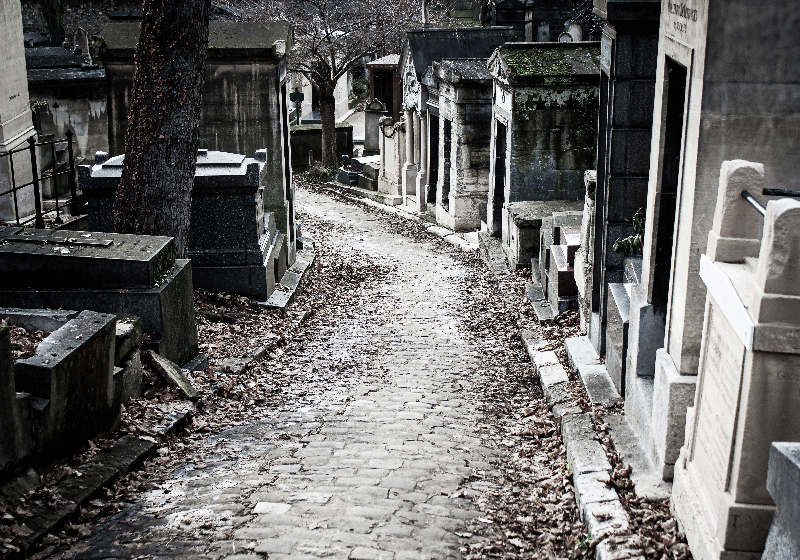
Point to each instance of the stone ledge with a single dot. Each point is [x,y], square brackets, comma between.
[292,281]
[127,454]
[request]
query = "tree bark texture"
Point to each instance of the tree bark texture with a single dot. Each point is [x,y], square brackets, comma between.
[53,15]
[327,111]
[155,191]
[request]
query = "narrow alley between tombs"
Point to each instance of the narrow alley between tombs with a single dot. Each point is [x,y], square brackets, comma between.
[399,418]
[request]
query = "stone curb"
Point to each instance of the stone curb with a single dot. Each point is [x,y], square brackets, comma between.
[363,196]
[293,279]
[598,503]
[127,454]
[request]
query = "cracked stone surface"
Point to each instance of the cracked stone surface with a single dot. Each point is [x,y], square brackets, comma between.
[373,465]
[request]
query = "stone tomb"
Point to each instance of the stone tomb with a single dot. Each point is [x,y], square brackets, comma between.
[234,244]
[69,390]
[16,125]
[748,391]
[722,80]
[107,273]
[524,223]
[465,117]
[544,123]
[629,49]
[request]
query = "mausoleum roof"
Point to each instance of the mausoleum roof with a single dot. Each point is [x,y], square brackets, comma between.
[388,60]
[226,39]
[430,45]
[464,70]
[547,63]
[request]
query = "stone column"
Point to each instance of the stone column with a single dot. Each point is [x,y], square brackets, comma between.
[15,112]
[409,174]
[422,174]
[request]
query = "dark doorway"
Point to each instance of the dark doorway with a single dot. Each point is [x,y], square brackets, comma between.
[384,91]
[446,160]
[674,101]
[287,161]
[433,157]
[499,197]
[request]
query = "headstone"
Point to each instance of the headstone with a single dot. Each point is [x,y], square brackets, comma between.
[373,113]
[748,388]
[543,33]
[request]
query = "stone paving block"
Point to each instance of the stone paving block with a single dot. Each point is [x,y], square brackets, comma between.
[363,553]
[583,451]
[279,544]
[580,351]
[592,488]
[605,518]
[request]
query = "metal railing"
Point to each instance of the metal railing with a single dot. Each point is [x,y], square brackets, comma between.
[768,192]
[52,174]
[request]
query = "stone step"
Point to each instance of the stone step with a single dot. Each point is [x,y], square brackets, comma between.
[562,275]
[43,258]
[618,313]
[594,376]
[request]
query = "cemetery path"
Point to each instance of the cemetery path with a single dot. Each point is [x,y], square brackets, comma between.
[394,441]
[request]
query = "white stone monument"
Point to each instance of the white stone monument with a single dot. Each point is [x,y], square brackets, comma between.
[16,123]
[748,390]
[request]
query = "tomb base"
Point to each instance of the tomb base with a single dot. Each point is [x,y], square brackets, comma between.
[464,214]
[167,309]
[656,409]
[746,523]
[646,331]
[783,484]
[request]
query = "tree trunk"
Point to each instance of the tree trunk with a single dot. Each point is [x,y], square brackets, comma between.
[53,15]
[155,192]
[327,110]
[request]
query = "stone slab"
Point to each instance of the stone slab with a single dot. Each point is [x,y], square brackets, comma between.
[598,384]
[584,452]
[783,484]
[72,370]
[292,279]
[36,258]
[172,374]
[647,481]
[580,351]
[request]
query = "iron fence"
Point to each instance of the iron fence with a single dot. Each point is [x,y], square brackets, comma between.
[39,175]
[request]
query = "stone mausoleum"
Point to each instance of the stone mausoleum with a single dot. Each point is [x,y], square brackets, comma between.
[724,90]
[544,126]
[243,93]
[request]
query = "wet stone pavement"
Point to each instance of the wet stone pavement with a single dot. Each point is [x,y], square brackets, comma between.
[374,463]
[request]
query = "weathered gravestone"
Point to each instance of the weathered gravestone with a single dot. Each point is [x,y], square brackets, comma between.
[104,272]
[234,243]
[748,390]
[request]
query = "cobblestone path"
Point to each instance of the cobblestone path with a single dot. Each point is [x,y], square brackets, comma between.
[373,465]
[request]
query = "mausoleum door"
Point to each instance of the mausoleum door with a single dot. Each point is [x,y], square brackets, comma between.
[674,107]
[499,194]
[433,156]
[447,132]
